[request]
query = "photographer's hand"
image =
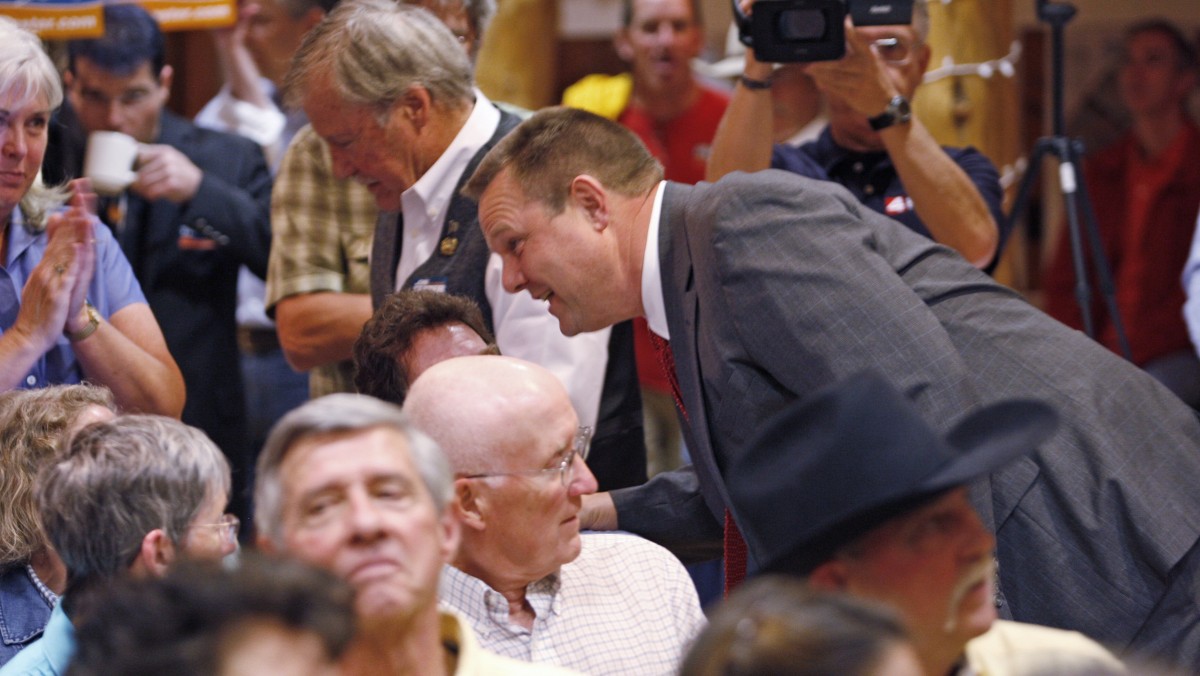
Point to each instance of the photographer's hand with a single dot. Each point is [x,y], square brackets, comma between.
[860,78]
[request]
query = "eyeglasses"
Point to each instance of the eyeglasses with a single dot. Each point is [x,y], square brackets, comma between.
[893,50]
[566,468]
[227,528]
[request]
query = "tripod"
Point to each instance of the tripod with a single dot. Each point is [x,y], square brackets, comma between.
[1074,190]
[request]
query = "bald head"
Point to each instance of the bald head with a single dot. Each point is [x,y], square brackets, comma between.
[485,411]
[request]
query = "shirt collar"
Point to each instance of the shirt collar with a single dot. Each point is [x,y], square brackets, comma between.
[433,191]
[652,289]
[19,237]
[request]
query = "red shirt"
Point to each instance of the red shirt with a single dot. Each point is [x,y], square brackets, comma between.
[1146,214]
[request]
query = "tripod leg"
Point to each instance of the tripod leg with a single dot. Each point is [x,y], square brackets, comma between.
[1027,182]
[1068,176]
[1099,261]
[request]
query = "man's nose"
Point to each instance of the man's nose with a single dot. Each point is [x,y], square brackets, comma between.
[977,539]
[583,481]
[114,116]
[365,518]
[512,277]
[342,167]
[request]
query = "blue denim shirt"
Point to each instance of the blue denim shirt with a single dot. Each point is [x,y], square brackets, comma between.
[24,610]
[113,287]
[48,655]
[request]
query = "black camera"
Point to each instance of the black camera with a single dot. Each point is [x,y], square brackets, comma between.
[812,30]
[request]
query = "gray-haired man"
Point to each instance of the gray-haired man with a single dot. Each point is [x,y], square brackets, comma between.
[131,495]
[346,484]
[390,89]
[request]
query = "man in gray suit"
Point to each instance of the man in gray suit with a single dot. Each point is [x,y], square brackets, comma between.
[770,286]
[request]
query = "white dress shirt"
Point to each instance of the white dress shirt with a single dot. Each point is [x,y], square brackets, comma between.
[652,288]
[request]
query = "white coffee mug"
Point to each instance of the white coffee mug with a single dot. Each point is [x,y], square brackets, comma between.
[109,162]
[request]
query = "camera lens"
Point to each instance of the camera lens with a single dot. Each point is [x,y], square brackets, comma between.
[801,25]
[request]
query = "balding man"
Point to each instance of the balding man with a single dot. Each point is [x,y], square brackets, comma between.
[532,587]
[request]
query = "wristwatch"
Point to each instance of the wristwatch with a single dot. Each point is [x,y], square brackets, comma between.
[898,112]
[93,324]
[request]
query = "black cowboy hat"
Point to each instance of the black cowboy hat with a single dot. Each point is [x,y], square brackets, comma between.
[831,467]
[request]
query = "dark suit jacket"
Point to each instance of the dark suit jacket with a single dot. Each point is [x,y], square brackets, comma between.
[777,285]
[186,257]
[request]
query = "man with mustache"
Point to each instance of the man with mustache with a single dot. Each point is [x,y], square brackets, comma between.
[855,492]
[532,587]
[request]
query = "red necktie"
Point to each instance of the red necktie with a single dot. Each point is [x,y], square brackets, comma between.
[735,546]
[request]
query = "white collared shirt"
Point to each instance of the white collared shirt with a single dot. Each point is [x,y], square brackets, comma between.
[427,201]
[652,289]
[525,329]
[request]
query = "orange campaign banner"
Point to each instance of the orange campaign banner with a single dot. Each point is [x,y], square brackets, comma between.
[65,20]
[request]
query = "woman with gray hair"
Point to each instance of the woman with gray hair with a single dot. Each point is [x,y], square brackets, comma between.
[132,495]
[35,426]
[70,307]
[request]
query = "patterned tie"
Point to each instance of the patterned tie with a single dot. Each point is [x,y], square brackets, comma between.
[735,546]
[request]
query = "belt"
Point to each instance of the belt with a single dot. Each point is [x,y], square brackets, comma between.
[257,341]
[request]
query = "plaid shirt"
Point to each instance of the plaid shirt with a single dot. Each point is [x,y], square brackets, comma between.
[322,229]
[623,606]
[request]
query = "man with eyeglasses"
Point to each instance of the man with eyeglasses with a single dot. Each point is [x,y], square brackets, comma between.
[347,484]
[132,495]
[528,582]
[874,145]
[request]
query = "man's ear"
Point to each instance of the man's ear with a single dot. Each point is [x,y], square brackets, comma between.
[414,105]
[621,44]
[469,505]
[155,555]
[587,194]
[166,76]
[924,54]
[830,576]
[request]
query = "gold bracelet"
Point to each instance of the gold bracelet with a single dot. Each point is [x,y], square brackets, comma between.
[93,324]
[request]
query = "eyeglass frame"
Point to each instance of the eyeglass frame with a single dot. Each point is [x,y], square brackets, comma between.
[580,447]
[228,526]
[891,42]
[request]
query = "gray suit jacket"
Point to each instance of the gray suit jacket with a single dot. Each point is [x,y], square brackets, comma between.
[777,285]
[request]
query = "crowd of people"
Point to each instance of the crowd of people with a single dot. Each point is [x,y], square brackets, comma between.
[364,373]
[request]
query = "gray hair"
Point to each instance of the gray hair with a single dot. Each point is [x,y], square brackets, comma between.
[26,73]
[374,51]
[25,69]
[32,434]
[120,480]
[339,414]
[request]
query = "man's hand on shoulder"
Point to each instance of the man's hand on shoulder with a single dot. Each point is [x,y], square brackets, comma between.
[166,173]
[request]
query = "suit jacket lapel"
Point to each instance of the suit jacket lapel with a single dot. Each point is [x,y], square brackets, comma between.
[682,307]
